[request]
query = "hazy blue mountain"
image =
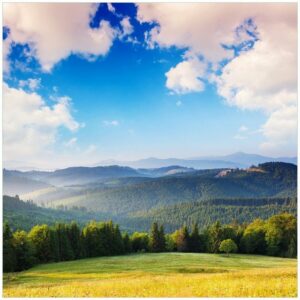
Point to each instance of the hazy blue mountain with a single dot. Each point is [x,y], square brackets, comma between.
[247,159]
[235,160]
[152,163]
[77,175]
[14,183]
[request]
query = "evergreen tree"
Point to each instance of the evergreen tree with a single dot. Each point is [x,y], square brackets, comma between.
[9,251]
[195,239]
[64,245]
[82,243]
[118,240]
[155,238]
[162,239]
[74,238]
[127,243]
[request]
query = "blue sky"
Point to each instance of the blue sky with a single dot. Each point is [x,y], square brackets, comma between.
[146,94]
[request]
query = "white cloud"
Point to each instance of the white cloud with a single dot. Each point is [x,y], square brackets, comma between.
[186,76]
[31,83]
[263,78]
[112,123]
[204,27]
[56,30]
[30,125]
[127,28]
[280,129]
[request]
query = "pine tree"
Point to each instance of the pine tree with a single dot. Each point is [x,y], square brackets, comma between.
[64,245]
[127,243]
[74,238]
[118,241]
[9,251]
[162,239]
[155,242]
[195,240]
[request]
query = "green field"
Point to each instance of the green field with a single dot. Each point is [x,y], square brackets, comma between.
[159,275]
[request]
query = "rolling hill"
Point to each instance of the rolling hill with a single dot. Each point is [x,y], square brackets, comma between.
[172,195]
[126,195]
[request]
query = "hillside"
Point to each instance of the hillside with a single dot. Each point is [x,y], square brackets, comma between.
[127,196]
[207,212]
[201,196]
[24,215]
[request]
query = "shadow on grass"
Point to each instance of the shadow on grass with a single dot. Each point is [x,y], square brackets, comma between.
[200,270]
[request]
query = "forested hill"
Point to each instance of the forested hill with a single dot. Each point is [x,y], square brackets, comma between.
[25,214]
[127,195]
[191,195]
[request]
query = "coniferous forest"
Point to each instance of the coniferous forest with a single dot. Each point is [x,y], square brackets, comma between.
[276,236]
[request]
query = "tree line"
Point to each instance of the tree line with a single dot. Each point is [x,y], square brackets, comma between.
[276,236]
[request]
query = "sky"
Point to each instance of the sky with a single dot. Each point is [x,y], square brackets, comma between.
[83,83]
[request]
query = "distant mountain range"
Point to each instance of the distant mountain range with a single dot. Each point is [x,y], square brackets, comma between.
[235,160]
[21,182]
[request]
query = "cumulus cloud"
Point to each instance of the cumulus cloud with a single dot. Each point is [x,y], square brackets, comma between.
[262,76]
[186,76]
[54,31]
[127,28]
[280,129]
[31,83]
[112,123]
[30,125]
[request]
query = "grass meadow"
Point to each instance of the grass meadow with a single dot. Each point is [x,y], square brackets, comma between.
[159,275]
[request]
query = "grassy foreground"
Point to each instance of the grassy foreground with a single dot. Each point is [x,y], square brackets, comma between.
[158,275]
